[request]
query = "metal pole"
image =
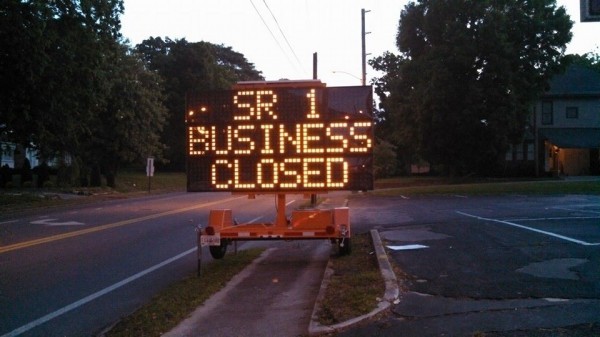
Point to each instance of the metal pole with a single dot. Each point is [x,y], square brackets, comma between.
[199,251]
[315,66]
[364,49]
[313,197]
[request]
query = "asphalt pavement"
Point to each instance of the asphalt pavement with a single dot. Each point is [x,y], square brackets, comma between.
[489,266]
[470,266]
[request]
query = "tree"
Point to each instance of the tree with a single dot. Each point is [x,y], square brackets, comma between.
[53,61]
[589,60]
[128,129]
[22,61]
[467,75]
[184,67]
[75,92]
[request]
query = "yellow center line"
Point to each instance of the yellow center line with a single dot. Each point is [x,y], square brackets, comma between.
[53,238]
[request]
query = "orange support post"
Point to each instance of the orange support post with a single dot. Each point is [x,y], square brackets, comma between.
[281,218]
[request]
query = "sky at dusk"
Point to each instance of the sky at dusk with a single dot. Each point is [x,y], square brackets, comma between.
[280,37]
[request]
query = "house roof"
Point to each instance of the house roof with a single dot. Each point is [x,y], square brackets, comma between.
[575,81]
[572,138]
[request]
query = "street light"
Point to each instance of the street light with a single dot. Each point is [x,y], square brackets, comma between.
[347,73]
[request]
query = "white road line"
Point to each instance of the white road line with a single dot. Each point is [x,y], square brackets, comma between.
[579,209]
[562,237]
[93,296]
[51,222]
[11,221]
[556,218]
[256,219]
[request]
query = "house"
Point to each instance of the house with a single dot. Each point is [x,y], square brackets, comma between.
[564,137]
[14,155]
[567,124]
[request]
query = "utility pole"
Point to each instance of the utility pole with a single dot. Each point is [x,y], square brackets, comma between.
[364,49]
[313,197]
[315,75]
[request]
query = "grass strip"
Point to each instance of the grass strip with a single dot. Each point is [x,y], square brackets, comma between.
[356,286]
[167,309]
[128,182]
[546,187]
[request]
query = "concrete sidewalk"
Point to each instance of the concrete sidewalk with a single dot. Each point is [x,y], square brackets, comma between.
[274,296]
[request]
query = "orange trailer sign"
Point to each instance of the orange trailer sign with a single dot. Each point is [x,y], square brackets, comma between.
[279,138]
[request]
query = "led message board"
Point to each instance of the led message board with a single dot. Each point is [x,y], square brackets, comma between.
[285,136]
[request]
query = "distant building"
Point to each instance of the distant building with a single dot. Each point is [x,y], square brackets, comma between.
[14,155]
[566,123]
[563,137]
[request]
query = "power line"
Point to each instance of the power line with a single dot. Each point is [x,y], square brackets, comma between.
[282,33]
[271,32]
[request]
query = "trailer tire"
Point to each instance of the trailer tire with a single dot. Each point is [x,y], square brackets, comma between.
[345,246]
[218,252]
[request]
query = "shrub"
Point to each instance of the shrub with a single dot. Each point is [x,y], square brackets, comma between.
[26,172]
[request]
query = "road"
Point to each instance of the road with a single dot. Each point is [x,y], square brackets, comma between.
[493,264]
[76,271]
[506,266]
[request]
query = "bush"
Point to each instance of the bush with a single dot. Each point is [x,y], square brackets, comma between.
[5,175]
[43,174]
[26,173]
[48,184]
[384,160]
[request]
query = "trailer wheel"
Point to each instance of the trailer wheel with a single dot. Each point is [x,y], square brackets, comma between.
[218,252]
[345,247]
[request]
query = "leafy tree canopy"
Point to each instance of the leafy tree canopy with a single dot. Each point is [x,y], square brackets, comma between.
[589,60]
[461,89]
[72,91]
[188,66]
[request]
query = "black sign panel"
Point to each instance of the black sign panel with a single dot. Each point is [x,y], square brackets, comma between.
[280,137]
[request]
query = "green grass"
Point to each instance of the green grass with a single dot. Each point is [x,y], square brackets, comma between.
[128,182]
[14,200]
[534,187]
[355,286]
[167,309]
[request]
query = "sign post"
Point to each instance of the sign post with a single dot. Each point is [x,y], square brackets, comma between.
[149,171]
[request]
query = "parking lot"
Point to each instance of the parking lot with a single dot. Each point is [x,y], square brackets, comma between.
[502,265]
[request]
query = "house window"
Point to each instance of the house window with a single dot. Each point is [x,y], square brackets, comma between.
[509,153]
[530,151]
[547,118]
[572,112]
[519,152]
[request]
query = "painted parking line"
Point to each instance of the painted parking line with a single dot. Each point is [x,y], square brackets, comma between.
[26,244]
[562,237]
[87,299]
[556,218]
[578,208]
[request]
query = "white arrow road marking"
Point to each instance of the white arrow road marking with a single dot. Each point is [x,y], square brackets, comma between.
[50,222]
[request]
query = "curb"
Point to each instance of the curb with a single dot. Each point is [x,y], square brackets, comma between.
[390,296]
